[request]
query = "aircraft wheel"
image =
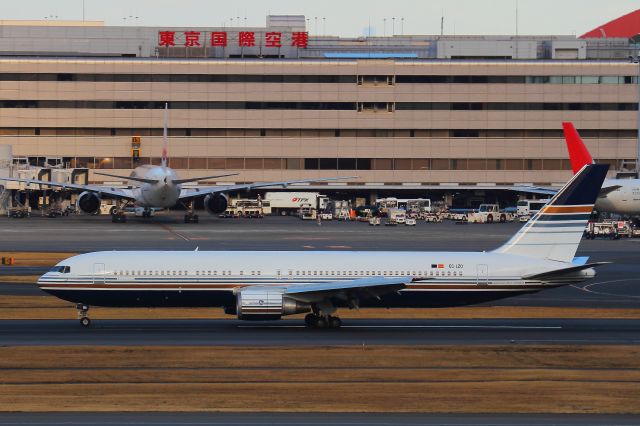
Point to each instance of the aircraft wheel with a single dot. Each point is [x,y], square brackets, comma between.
[321,322]
[335,322]
[85,321]
[310,320]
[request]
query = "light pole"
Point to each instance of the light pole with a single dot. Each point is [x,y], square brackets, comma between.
[636,60]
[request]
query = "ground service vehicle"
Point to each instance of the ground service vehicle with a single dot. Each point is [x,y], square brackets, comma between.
[489,213]
[530,207]
[289,203]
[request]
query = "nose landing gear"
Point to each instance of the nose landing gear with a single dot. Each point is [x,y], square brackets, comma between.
[83,314]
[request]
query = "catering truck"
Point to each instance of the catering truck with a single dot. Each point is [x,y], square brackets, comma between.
[289,203]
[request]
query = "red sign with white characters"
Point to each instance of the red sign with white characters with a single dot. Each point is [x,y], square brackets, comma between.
[273,39]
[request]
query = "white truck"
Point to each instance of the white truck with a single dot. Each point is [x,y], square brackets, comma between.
[527,208]
[489,213]
[289,203]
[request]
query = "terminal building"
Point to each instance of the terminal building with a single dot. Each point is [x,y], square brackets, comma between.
[406,115]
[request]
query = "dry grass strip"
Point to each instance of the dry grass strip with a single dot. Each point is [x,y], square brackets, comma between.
[556,379]
[49,307]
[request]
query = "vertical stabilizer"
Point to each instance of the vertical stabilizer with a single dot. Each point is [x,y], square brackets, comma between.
[578,152]
[555,232]
[164,135]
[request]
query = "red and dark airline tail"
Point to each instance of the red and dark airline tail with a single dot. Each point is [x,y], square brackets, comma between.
[578,153]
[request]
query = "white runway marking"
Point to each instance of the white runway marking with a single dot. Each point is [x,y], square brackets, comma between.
[511,327]
[587,288]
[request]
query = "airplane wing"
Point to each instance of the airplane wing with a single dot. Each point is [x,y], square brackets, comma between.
[198,192]
[346,290]
[546,191]
[534,190]
[115,192]
[606,190]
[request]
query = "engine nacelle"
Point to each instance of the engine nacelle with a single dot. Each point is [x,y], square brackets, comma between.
[264,303]
[89,202]
[216,203]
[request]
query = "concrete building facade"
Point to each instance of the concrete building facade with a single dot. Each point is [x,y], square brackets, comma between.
[394,122]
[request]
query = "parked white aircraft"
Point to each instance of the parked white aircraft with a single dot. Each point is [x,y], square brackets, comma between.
[158,187]
[620,196]
[267,285]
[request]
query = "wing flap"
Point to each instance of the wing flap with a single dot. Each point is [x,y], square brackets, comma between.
[360,288]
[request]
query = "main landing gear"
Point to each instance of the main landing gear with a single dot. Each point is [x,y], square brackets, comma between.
[191,216]
[83,314]
[117,212]
[321,321]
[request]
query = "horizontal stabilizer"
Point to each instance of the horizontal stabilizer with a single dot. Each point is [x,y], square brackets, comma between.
[606,190]
[179,181]
[134,178]
[557,273]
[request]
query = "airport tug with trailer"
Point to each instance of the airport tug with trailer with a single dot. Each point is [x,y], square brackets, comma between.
[267,285]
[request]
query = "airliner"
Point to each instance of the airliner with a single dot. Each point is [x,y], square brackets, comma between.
[158,187]
[268,285]
[620,196]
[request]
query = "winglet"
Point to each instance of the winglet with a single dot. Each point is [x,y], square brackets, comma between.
[578,152]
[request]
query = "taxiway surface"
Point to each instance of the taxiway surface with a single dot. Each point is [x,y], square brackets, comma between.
[294,333]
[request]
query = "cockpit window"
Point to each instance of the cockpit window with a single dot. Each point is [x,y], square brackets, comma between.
[61,269]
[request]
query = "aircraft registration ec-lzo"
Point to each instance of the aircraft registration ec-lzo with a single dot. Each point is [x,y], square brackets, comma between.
[267,285]
[159,187]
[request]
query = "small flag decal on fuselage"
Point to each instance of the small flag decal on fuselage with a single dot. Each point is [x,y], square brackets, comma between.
[437,265]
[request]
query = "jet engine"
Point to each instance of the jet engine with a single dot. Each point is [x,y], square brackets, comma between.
[89,202]
[264,303]
[216,203]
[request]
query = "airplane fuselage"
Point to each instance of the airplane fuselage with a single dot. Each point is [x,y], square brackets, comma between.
[211,279]
[162,194]
[624,200]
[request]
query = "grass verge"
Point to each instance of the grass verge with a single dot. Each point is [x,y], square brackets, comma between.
[482,379]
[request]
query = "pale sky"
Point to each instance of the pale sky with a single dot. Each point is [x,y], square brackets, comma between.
[342,17]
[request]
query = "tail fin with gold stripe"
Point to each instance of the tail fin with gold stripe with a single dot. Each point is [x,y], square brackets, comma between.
[556,230]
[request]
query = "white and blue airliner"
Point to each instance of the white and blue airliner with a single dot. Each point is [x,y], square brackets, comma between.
[267,285]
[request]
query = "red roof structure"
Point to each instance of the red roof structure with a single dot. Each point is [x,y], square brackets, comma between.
[626,26]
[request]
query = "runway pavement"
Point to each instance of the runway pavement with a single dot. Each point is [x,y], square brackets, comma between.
[294,333]
[303,419]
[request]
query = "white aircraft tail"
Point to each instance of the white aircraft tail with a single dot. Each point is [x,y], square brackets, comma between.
[556,230]
[164,135]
